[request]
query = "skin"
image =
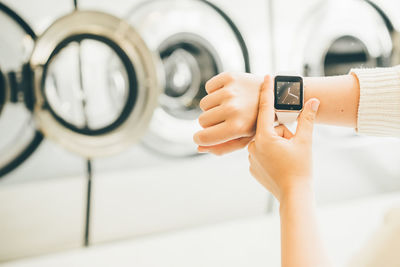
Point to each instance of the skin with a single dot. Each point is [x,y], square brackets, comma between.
[339,96]
[270,153]
[234,98]
[239,112]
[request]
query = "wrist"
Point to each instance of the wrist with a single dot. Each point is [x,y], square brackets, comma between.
[299,194]
[311,85]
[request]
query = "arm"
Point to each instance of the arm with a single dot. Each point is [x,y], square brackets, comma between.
[300,240]
[230,108]
[281,162]
[339,96]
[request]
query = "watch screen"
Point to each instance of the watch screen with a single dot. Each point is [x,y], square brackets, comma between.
[288,92]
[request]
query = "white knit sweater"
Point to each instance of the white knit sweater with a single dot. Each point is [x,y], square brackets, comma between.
[379,114]
[379,107]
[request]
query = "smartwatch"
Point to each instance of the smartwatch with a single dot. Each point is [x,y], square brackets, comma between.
[288,100]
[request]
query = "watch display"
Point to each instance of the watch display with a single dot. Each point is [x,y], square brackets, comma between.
[288,92]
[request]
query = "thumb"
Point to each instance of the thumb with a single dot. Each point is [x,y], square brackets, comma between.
[306,120]
[266,113]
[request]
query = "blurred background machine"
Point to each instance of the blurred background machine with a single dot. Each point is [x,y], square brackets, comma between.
[90,81]
[38,215]
[114,86]
[323,37]
[166,185]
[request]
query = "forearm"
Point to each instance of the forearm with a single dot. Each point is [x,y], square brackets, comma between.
[301,245]
[339,97]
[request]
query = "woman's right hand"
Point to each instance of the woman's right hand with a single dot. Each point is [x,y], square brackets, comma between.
[280,160]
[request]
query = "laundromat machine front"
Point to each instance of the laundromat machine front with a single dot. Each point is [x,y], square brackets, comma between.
[95,85]
[91,81]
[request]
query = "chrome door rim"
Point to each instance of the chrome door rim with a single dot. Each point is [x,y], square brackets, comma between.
[112,28]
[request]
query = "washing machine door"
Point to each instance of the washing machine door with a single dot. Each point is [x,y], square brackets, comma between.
[339,35]
[195,40]
[18,135]
[95,83]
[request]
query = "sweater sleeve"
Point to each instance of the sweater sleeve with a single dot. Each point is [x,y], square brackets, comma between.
[379,106]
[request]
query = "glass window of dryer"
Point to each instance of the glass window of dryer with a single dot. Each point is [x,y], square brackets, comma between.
[190,53]
[93,95]
[189,61]
[349,52]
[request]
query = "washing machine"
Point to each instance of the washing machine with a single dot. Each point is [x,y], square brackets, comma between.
[325,38]
[162,183]
[88,83]
[41,185]
[114,89]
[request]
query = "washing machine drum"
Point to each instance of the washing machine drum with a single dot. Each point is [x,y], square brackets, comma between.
[194,40]
[94,83]
[339,35]
[19,137]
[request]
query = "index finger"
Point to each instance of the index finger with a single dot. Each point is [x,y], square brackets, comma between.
[266,112]
[217,82]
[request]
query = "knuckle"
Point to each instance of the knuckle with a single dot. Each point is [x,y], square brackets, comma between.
[203,103]
[263,106]
[229,93]
[309,117]
[202,120]
[232,108]
[226,75]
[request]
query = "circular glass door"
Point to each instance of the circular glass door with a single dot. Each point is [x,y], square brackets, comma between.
[18,135]
[334,39]
[339,35]
[95,83]
[191,51]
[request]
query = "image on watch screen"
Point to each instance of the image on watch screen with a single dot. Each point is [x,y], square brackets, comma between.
[288,92]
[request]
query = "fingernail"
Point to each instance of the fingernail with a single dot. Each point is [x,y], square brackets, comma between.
[315,105]
[202,150]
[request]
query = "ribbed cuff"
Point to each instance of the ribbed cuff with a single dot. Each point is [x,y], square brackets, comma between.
[379,106]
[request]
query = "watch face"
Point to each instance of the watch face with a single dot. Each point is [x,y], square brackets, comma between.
[288,92]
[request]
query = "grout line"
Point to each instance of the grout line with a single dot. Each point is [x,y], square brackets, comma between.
[88,202]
